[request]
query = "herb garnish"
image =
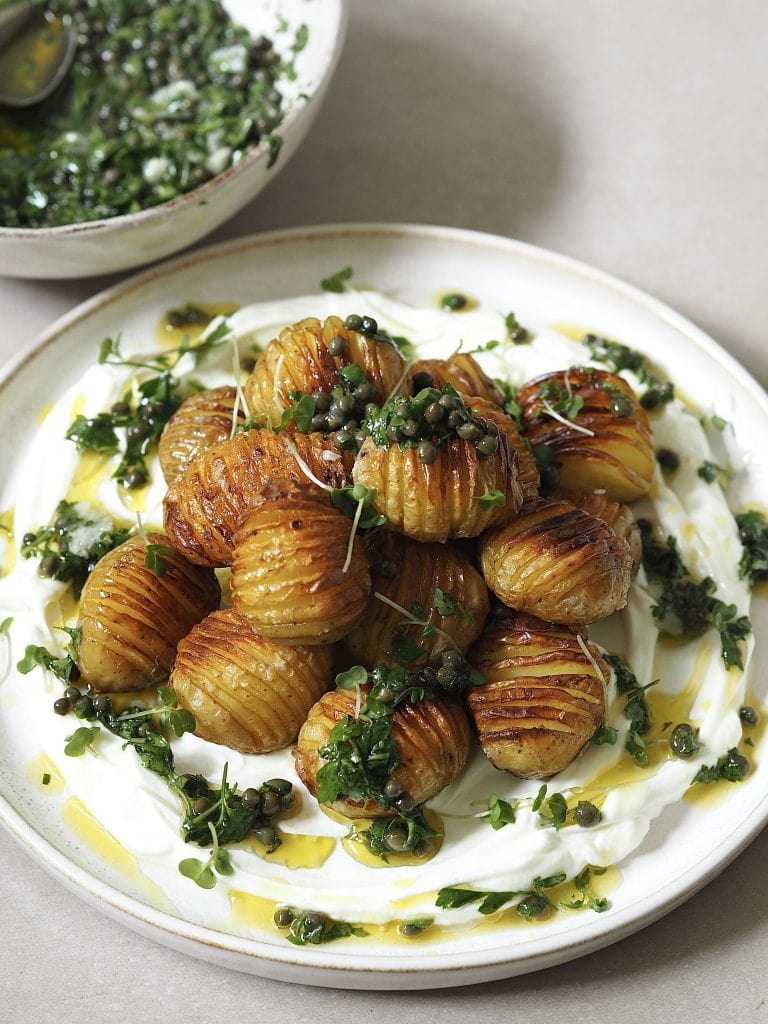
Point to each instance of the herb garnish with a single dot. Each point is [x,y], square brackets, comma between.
[64,668]
[144,410]
[500,812]
[732,767]
[686,607]
[490,498]
[711,472]
[620,357]
[532,902]
[337,282]
[753,534]
[71,545]
[310,928]
[636,710]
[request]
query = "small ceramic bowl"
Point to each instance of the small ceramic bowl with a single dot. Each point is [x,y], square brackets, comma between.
[117,243]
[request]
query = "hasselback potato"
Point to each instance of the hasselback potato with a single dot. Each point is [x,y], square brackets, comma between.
[439,501]
[205,505]
[290,575]
[462,371]
[418,576]
[618,516]
[558,562]
[527,470]
[246,692]
[605,445]
[131,618]
[433,738]
[200,421]
[543,698]
[299,360]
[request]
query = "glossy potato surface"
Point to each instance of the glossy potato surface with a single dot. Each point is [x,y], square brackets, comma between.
[437,502]
[247,692]
[433,738]
[616,456]
[132,619]
[200,421]
[205,505]
[462,371]
[299,360]
[420,570]
[617,515]
[288,573]
[543,698]
[527,470]
[557,562]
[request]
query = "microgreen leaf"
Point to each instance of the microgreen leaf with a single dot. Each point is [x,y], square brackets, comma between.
[490,498]
[80,740]
[155,558]
[5,625]
[353,678]
[199,871]
[500,812]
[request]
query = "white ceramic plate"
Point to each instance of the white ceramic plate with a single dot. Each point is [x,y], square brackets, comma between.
[686,847]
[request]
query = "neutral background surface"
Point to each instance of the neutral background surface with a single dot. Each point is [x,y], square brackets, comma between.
[631,136]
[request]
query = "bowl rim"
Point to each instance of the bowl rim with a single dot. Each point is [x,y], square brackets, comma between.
[200,192]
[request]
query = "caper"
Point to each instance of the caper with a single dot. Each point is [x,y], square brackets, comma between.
[392,789]
[448,402]
[468,431]
[353,322]
[342,439]
[368,325]
[314,922]
[266,835]
[337,346]
[201,805]
[405,803]
[421,380]
[83,708]
[333,422]
[28,538]
[102,704]
[748,715]
[491,428]
[72,693]
[667,459]
[434,413]
[363,391]
[270,804]
[279,786]
[134,478]
[396,838]
[287,800]
[586,814]
[252,798]
[61,706]
[370,409]
[386,695]
[247,363]
[651,399]
[284,917]
[487,445]
[621,406]
[393,432]
[385,568]
[447,676]
[48,566]
[317,423]
[427,452]
[741,764]
[138,431]
[453,303]
[322,400]
[683,741]
[519,334]
[409,429]
[345,405]
[410,930]
[187,780]
[452,659]
[456,418]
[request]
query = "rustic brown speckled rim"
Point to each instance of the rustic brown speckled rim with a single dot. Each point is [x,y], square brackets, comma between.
[326,967]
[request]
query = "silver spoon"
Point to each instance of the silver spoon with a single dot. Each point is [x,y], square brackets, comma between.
[35,54]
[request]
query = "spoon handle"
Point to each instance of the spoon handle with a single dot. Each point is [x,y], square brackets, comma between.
[13,18]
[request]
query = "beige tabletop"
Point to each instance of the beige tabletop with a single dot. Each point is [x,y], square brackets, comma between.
[633,136]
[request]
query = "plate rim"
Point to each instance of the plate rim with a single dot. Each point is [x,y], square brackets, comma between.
[366,970]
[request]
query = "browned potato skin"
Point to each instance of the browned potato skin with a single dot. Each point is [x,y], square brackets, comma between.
[527,470]
[299,360]
[462,371]
[557,562]
[618,516]
[619,459]
[542,700]
[131,619]
[200,421]
[437,502]
[246,692]
[206,504]
[421,568]
[287,569]
[433,738]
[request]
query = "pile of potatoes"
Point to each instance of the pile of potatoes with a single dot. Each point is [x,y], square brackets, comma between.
[306,602]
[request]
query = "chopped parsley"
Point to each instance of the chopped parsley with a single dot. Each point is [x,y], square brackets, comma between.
[753,534]
[337,282]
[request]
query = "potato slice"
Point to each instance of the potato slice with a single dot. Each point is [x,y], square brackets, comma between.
[132,619]
[410,574]
[299,360]
[543,698]
[462,371]
[200,421]
[617,515]
[433,738]
[246,692]
[606,446]
[206,504]
[290,576]
[438,502]
[527,470]
[557,562]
